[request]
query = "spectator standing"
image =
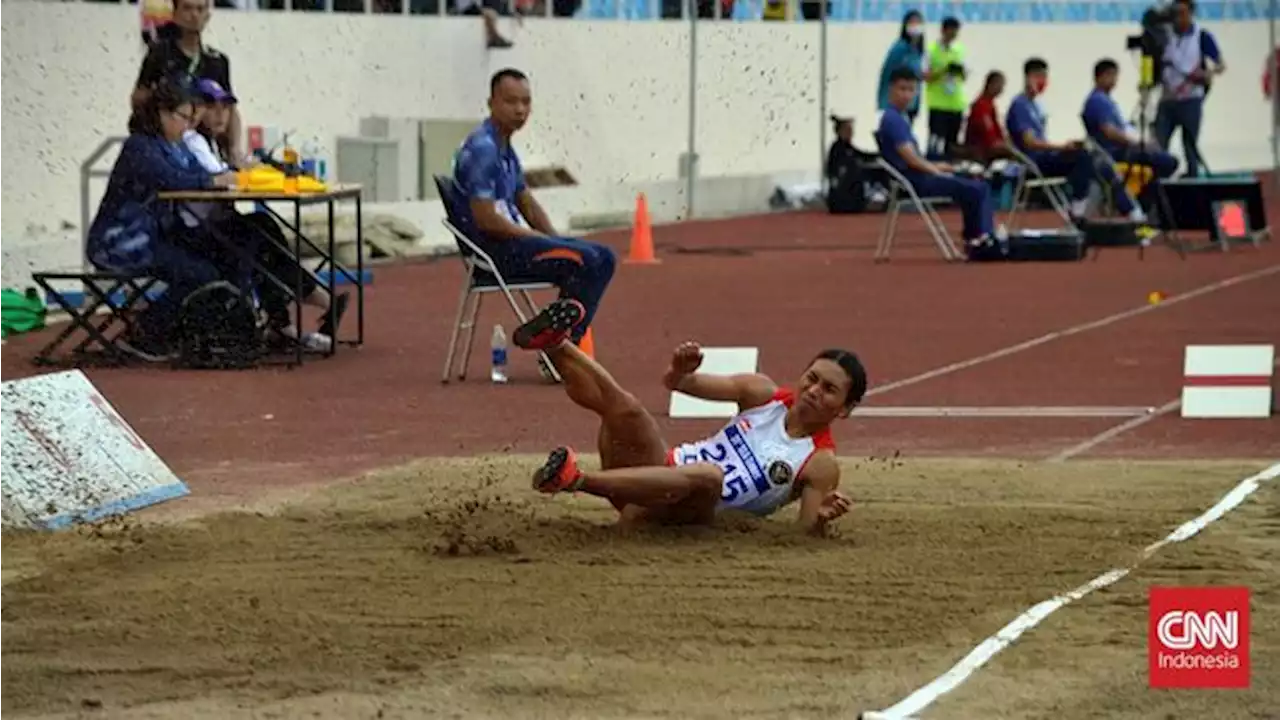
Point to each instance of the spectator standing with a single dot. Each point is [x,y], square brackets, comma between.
[495,204]
[1191,59]
[905,52]
[899,148]
[180,55]
[944,73]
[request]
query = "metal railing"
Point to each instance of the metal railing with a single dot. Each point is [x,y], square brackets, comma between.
[89,171]
[997,11]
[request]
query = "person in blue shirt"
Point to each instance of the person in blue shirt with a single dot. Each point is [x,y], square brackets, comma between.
[134,233]
[1106,126]
[1026,124]
[899,148]
[1185,81]
[495,205]
[906,52]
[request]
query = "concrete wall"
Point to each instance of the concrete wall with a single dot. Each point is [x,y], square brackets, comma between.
[610,98]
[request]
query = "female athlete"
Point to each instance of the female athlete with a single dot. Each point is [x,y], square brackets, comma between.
[776,450]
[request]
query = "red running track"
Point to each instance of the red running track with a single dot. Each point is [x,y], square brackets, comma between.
[797,283]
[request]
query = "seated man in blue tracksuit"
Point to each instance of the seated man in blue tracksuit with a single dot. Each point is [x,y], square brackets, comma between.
[497,205]
[1026,123]
[1106,126]
[899,148]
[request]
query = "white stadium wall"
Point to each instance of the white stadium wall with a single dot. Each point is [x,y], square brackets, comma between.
[610,98]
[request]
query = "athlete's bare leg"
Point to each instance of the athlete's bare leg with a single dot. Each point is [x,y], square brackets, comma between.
[629,435]
[685,493]
[633,476]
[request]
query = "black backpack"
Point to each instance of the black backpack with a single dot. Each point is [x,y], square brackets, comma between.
[218,328]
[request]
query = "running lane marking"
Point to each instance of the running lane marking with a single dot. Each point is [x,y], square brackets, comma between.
[1074,330]
[1113,432]
[906,708]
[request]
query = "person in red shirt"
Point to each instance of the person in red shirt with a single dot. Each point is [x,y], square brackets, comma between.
[984,137]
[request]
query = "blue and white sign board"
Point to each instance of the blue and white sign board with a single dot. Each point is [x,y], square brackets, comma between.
[715,361]
[70,457]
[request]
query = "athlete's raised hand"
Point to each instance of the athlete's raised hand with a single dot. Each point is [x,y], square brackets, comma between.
[687,358]
[834,505]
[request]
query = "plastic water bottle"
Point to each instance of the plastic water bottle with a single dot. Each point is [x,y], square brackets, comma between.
[498,350]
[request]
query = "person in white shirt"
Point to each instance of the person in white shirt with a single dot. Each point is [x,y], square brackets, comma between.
[1191,60]
[208,141]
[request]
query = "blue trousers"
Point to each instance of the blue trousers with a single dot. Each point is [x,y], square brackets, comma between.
[1080,168]
[973,197]
[1184,115]
[582,270]
[1164,164]
[183,271]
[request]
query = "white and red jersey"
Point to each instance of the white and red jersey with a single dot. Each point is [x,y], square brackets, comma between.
[760,461]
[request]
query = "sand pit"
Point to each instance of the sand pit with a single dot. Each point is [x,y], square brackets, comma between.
[448,589]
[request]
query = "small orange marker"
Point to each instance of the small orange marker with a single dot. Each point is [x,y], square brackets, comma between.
[1155,297]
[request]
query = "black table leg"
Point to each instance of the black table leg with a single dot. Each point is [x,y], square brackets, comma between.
[359,273]
[297,281]
[333,282]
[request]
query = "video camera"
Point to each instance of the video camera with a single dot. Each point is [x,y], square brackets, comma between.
[1157,28]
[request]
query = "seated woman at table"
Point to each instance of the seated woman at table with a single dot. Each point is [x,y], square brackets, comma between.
[208,142]
[133,232]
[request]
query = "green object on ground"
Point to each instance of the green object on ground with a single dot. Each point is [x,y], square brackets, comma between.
[21,311]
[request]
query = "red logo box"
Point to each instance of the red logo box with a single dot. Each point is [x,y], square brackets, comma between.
[1198,637]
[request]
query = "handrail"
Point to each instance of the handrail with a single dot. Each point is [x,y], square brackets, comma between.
[87,172]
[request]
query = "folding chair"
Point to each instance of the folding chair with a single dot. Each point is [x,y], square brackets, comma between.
[1032,178]
[1127,173]
[106,338]
[925,205]
[482,278]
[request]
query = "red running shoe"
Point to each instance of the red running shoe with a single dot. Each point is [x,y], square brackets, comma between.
[550,327]
[560,473]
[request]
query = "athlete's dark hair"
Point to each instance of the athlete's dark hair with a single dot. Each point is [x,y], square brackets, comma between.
[1105,65]
[852,367]
[1035,64]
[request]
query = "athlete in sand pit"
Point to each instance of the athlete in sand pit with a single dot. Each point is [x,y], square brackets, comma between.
[776,450]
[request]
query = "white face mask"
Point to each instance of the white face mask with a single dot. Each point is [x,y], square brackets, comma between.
[914,31]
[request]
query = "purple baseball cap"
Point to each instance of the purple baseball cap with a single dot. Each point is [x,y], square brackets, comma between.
[213,92]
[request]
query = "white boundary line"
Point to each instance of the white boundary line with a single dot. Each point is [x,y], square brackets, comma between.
[1016,411]
[1110,433]
[989,648]
[1073,330]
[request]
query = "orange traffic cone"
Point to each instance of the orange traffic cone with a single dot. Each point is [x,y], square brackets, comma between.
[641,235]
[588,344]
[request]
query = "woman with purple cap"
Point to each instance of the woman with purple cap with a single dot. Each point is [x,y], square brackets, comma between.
[210,144]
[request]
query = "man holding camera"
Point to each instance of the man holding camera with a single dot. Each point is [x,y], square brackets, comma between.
[1191,58]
